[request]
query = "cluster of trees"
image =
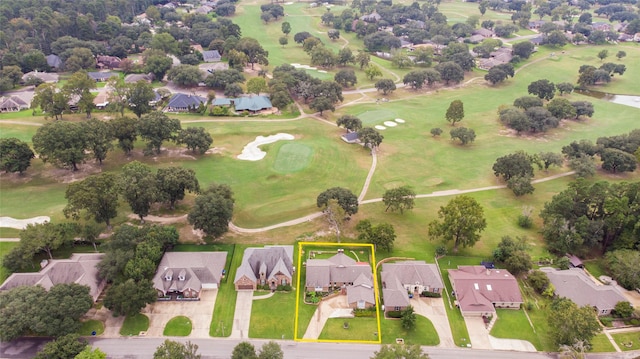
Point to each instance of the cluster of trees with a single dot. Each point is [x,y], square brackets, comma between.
[590,75]
[271,12]
[382,235]
[516,169]
[499,73]
[618,154]
[513,255]
[246,350]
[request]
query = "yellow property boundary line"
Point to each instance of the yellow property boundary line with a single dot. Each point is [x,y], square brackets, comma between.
[375,292]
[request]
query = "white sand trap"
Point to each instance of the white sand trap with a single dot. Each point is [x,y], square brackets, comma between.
[252,152]
[390,124]
[322,71]
[9,222]
[399,120]
[380,127]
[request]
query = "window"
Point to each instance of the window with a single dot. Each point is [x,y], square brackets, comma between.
[475,285]
[396,308]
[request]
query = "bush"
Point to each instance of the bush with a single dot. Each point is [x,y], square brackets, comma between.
[283,288]
[525,221]
[528,306]
[394,314]
[365,313]
[606,321]
[430,294]
[441,251]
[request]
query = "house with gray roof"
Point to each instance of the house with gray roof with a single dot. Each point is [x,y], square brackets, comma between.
[575,284]
[408,277]
[80,269]
[13,104]
[54,61]
[479,290]
[341,272]
[133,78]
[47,77]
[268,265]
[186,274]
[102,76]
[211,56]
[182,102]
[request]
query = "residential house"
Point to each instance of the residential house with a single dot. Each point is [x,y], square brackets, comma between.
[485,33]
[211,67]
[133,78]
[47,77]
[536,24]
[501,56]
[102,76]
[204,9]
[80,269]
[269,265]
[538,40]
[475,39]
[107,62]
[186,274]
[601,26]
[54,61]
[13,104]
[401,279]
[373,17]
[181,102]
[575,284]
[343,273]
[252,104]
[479,290]
[101,100]
[211,56]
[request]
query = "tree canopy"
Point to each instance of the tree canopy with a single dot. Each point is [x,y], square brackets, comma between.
[462,220]
[213,210]
[347,200]
[97,195]
[157,127]
[570,323]
[399,199]
[15,155]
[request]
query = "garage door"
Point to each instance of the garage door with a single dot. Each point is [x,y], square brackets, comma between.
[245,286]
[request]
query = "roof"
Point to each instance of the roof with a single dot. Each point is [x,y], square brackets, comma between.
[101,99]
[396,275]
[80,269]
[272,259]
[13,102]
[98,76]
[252,103]
[478,288]
[44,76]
[181,100]
[133,78]
[189,270]
[350,137]
[211,55]
[53,60]
[339,268]
[223,101]
[574,284]
[575,261]
[483,32]
[361,290]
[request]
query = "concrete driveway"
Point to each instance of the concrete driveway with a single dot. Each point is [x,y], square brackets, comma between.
[433,309]
[326,308]
[480,338]
[200,312]
[242,315]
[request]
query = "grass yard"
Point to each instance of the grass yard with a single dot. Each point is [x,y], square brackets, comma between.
[539,316]
[222,320]
[456,321]
[596,267]
[423,334]
[359,329]
[601,344]
[5,247]
[179,326]
[272,318]
[292,157]
[90,326]
[133,325]
[513,324]
[627,341]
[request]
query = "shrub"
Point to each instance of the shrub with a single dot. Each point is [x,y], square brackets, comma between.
[525,221]
[394,314]
[430,294]
[441,251]
[365,313]
[529,306]
[283,288]
[606,321]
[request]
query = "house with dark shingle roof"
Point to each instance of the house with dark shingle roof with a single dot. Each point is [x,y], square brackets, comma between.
[575,284]
[343,273]
[211,56]
[188,273]
[401,278]
[102,76]
[133,78]
[182,102]
[270,265]
[479,290]
[80,269]
[54,61]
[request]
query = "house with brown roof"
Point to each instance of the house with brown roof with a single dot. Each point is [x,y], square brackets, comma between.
[107,62]
[479,290]
[401,279]
[185,274]
[343,273]
[80,269]
[575,284]
[268,265]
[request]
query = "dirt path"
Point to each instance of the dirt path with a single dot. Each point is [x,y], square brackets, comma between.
[372,169]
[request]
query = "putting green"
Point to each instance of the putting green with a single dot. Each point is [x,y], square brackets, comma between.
[292,157]
[376,117]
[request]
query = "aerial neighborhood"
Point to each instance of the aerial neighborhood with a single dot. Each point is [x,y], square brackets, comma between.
[262,179]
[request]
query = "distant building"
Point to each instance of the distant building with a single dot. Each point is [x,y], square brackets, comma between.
[107,62]
[181,102]
[373,17]
[252,103]
[54,61]
[102,76]
[12,104]
[350,137]
[211,56]
[47,77]
[101,100]
[133,78]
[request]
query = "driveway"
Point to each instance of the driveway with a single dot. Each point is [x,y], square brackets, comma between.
[242,315]
[434,310]
[480,338]
[325,310]
[200,312]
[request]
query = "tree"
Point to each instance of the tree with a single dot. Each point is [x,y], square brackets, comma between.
[345,56]
[436,131]
[455,112]
[465,135]
[81,59]
[286,28]
[570,323]
[89,353]
[197,139]
[158,65]
[346,199]
[556,38]
[520,185]
[301,36]
[381,236]
[256,85]
[544,160]
[156,128]
[79,86]
[18,307]
[50,100]
[387,86]
[615,160]
[495,75]
[321,104]
[15,155]
[185,75]
[128,297]
[333,34]
[620,54]
[233,90]
[350,122]
[223,78]
[255,53]
[62,143]
[564,87]
[213,210]
[165,43]
[335,216]
[99,137]
[517,164]
[408,318]
[372,71]
[450,72]
[244,350]
[346,78]
[462,221]
[544,89]
[12,74]
[174,350]
[118,95]
[370,137]
[283,41]
[65,347]
[603,54]
[124,129]
[400,351]
[173,182]
[44,237]
[271,350]
[523,49]
[538,281]
[363,59]
[138,186]
[622,264]
[97,195]
[140,95]
[623,309]
[526,102]
[401,198]
[62,314]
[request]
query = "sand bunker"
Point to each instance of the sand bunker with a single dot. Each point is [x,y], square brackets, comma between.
[252,152]
[9,222]
[390,124]
[399,120]
[380,127]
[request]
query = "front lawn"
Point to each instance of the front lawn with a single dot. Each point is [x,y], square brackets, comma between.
[179,326]
[627,341]
[87,328]
[133,325]
[601,344]
[222,320]
[358,329]
[272,318]
[423,334]
[513,324]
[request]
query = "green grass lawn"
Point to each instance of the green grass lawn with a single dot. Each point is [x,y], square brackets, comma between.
[90,326]
[596,267]
[423,334]
[359,329]
[539,316]
[222,320]
[5,247]
[513,324]
[179,326]
[133,325]
[601,344]
[456,321]
[627,341]
[269,323]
